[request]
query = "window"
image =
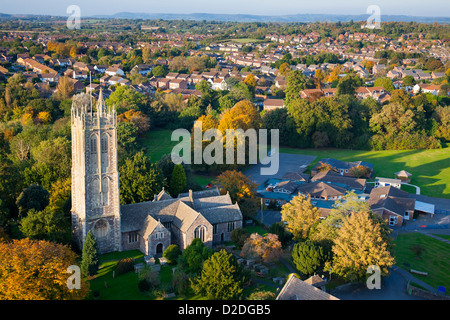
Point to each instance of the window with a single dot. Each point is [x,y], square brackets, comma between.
[199,232]
[266,202]
[93,145]
[101,229]
[392,220]
[104,144]
[132,237]
[230,226]
[104,152]
[214,228]
[159,235]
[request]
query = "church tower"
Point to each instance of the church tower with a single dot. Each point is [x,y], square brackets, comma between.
[95,175]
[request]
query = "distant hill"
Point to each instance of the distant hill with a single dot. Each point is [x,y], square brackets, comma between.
[248,17]
[264,18]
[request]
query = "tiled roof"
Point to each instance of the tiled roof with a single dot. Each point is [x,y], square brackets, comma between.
[334,177]
[296,289]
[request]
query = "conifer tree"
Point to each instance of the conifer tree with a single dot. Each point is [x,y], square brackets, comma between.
[178,180]
[308,257]
[90,256]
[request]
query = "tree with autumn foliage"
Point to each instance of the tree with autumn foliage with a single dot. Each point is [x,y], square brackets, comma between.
[37,270]
[362,241]
[300,216]
[267,248]
[243,115]
[138,118]
[241,189]
[64,89]
[250,80]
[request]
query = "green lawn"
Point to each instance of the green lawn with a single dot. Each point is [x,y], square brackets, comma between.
[125,286]
[435,258]
[158,143]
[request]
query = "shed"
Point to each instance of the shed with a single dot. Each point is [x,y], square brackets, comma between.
[403,175]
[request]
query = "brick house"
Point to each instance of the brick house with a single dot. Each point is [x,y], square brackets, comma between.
[392,204]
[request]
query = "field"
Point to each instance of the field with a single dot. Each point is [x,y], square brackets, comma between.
[430,168]
[434,257]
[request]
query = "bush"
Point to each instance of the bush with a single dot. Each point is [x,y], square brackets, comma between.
[150,275]
[239,235]
[180,282]
[125,265]
[172,253]
[262,295]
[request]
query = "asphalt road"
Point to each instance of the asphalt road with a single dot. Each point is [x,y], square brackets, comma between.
[393,287]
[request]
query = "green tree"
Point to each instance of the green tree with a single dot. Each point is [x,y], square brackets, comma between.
[296,83]
[328,229]
[47,224]
[140,179]
[222,278]
[177,181]
[89,256]
[347,85]
[192,258]
[172,253]
[386,83]
[308,257]
[33,197]
[159,71]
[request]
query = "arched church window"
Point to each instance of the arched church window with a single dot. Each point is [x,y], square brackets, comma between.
[101,229]
[200,232]
[104,144]
[93,162]
[93,146]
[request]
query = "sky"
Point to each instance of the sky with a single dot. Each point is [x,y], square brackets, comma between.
[439,8]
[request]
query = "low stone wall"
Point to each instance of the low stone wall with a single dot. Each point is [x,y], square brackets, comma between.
[425,294]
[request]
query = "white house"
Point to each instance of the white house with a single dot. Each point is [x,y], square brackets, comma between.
[384,182]
[114,71]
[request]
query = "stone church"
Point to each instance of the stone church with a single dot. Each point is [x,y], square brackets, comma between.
[148,226]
